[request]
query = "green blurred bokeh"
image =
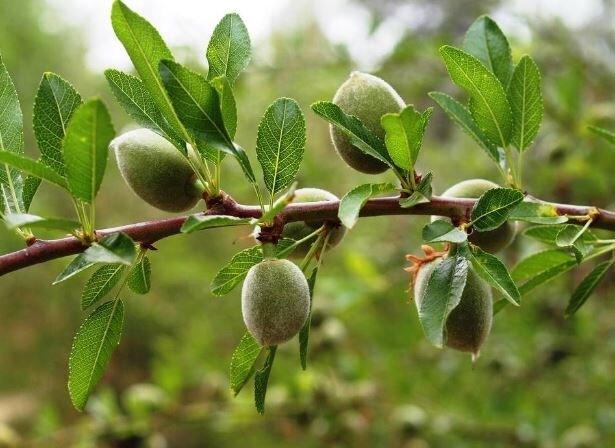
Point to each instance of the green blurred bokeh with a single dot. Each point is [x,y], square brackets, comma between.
[372,379]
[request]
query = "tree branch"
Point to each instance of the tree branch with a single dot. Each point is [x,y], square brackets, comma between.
[151,231]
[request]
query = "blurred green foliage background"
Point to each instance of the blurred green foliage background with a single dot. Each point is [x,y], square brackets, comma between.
[372,379]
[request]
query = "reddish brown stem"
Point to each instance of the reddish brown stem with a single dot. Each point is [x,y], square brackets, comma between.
[151,231]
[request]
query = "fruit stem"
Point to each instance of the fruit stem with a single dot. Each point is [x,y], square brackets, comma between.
[297,243]
[269,250]
[322,238]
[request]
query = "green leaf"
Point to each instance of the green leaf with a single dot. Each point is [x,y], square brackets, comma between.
[235,271]
[540,268]
[16,220]
[486,41]
[460,115]
[146,49]
[113,248]
[488,104]
[493,207]
[536,213]
[525,101]
[139,280]
[353,201]
[261,380]
[200,222]
[548,233]
[198,107]
[606,135]
[280,143]
[493,271]
[570,236]
[304,334]
[442,294]
[421,195]
[56,101]
[92,349]
[140,105]
[100,284]
[359,135]
[243,361]
[30,187]
[228,52]
[86,147]
[587,287]
[32,167]
[11,143]
[404,135]
[79,264]
[443,231]
[228,106]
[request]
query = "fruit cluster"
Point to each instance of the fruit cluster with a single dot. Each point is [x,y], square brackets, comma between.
[275,294]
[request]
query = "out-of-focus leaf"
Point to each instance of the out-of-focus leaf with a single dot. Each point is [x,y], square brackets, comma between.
[607,136]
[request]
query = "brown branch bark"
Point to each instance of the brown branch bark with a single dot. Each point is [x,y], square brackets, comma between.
[151,231]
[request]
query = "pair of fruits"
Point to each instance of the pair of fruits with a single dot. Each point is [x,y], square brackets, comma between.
[275,294]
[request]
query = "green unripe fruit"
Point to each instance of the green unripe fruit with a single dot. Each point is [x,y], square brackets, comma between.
[368,98]
[494,240]
[300,229]
[275,301]
[469,324]
[156,171]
